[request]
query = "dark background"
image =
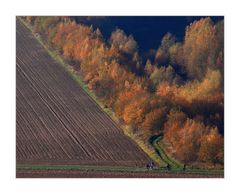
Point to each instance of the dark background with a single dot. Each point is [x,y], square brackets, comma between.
[146,30]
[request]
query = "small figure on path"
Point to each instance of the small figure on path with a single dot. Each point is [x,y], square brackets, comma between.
[168,167]
[184,167]
[152,165]
[147,166]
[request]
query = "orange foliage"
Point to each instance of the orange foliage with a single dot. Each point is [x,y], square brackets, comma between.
[122,42]
[211,149]
[201,47]
[155,119]
[189,140]
[132,102]
[183,136]
[105,68]
[63,29]
[209,88]
[134,111]
[165,90]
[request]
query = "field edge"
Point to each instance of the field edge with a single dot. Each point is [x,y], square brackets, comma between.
[142,145]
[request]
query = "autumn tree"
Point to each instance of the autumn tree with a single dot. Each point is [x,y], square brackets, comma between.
[201,47]
[162,54]
[134,111]
[211,149]
[210,85]
[165,75]
[104,89]
[190,140]
[62,31]
[122,42]
[206,89]
[154,120]
[175,121]
[133,103]
[127,48]
[149,68]
[43,24]
[167,41]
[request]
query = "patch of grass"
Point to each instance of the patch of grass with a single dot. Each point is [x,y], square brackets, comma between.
[176,166]
[81,168]
[114,169]
[167,159]
[144,145]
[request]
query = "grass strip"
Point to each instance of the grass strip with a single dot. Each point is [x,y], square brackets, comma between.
[88,168]
[173,163]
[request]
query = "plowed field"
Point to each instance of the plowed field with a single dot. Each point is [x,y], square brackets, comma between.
[56,121]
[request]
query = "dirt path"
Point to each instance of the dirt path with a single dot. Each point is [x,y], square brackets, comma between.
[26,170]
[94,174]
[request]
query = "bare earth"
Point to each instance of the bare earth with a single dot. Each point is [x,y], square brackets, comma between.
[91,174]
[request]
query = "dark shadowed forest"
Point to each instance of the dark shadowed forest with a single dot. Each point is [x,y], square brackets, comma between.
[171,84]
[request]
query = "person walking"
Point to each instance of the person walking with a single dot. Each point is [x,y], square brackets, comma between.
[184,167]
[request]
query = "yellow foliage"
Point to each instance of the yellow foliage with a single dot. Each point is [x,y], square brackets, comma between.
[195,90]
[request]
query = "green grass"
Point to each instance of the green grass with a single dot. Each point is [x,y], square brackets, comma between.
[144,145]
[89,168]
[167,159]
[81,168]
[176,166]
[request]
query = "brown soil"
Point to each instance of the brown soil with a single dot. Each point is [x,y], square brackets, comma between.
[57,122]
[91,174]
